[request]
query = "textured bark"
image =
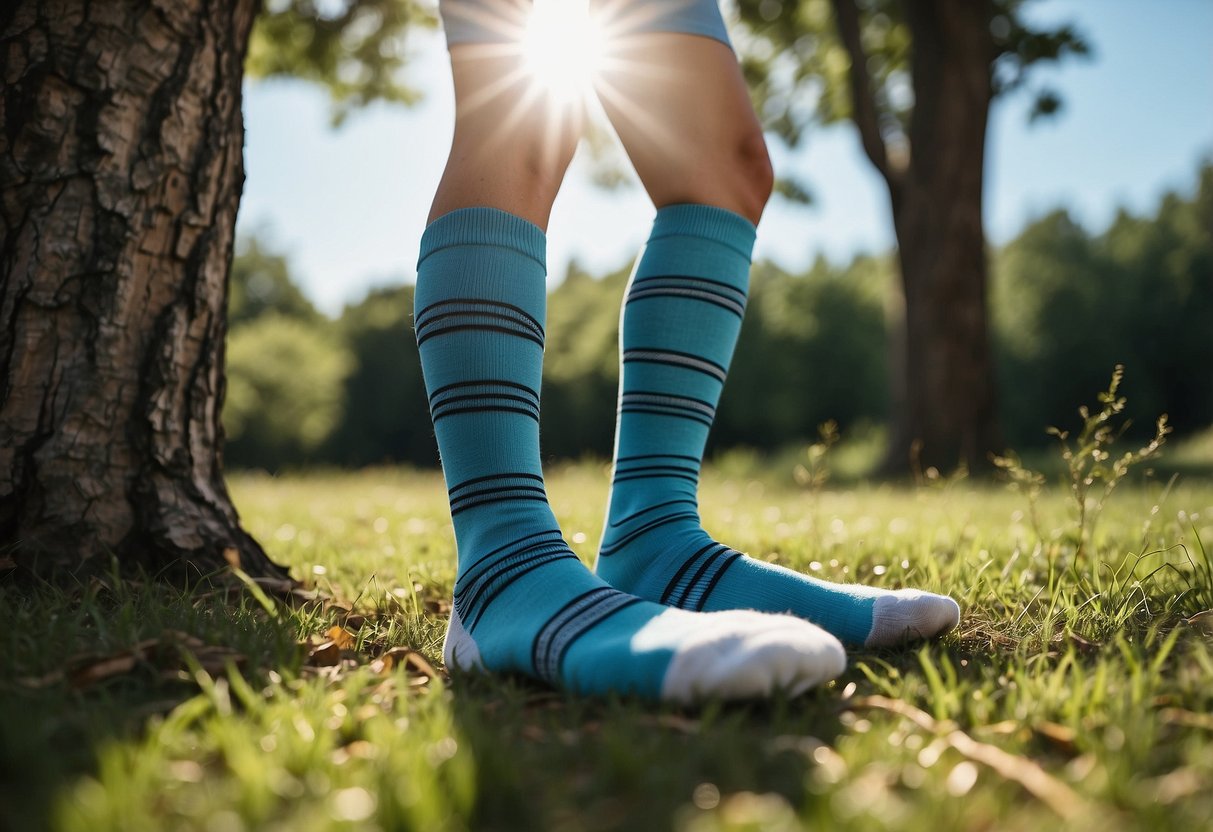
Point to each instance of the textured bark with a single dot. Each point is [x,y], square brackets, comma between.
[944,404]
[120,173]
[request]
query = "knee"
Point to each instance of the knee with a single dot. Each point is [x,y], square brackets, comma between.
[754,175]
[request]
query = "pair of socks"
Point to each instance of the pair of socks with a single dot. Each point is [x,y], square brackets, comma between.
[670,614]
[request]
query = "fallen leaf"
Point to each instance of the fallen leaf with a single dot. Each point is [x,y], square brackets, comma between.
[7,563]
[43,681]
[103,669]
[232,555]
[1202,621]
[411,658]
[342,637]
[1059,735]
[1046,788]
[1189,719]
[326,654]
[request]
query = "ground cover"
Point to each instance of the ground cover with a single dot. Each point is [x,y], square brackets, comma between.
[1077,691]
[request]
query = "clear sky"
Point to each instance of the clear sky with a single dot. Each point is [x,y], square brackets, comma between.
[348,205]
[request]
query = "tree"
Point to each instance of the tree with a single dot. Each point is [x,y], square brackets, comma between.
[917,78]
[386,416]
[120,176]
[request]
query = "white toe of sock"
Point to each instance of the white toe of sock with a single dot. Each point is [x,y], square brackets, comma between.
[740,654]
[909,614]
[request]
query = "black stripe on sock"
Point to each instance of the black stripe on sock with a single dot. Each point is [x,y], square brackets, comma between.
[699,573]
[500,552]
[694,459]
[617,523]
[508,475]
[680,360]
[469,597]
[490,501]
[486,382]
[420,319]
[495,593]
[459,410]
[728,287]
[448,330]
[607,551]
[674,415]
[724,567]
[673,584]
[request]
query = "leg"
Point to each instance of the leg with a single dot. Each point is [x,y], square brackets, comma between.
[680,106]
[523,602]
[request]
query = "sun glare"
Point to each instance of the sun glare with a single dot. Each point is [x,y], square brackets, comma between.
[563,47]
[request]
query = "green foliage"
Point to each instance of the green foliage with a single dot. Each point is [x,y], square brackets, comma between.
[354,48]
[1066,306]
[813,348]
[798,67]
[581,364]
[261,284]
[1089,459]
[386,416]
[276,411]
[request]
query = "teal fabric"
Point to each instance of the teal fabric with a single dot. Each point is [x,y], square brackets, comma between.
[681,320]
[528,603]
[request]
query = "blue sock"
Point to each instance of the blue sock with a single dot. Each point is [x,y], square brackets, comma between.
[523,601]
[682,315]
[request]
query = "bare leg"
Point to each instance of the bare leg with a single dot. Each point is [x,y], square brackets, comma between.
[512,144]
[683,113]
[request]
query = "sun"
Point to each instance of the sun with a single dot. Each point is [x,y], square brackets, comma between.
[563,47]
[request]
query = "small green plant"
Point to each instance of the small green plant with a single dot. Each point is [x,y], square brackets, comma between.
[1092,470]
[816,472]
[815,475]
[1089,459]
[1023,481]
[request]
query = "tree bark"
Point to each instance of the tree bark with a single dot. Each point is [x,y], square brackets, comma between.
[944,400]
[121,167]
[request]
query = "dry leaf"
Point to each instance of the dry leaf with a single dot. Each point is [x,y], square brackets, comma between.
[327,654]
[46,680]
[343,638]
[1202,621]
[7,563]
[104,669]
[408,657]
[1059,735]
[1055,794]
[232,555]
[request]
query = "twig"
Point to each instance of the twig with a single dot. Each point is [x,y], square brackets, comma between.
[1055,794]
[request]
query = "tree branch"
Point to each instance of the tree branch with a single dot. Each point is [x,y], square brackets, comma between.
[863,101]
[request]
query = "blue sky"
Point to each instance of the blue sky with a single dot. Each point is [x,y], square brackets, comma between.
[348,205]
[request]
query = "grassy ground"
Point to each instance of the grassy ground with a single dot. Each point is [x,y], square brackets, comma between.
[1076,692]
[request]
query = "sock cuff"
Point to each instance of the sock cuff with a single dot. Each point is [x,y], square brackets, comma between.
[707,222]
[484,227]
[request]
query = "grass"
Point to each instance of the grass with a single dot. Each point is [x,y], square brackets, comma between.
[1079,677]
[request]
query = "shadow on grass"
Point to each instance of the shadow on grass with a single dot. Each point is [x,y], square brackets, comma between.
[71,681]
[626,764]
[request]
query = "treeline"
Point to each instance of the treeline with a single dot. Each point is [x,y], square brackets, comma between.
[1066,306]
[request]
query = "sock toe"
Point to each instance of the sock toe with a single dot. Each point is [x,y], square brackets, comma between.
[741,654]
[910,614]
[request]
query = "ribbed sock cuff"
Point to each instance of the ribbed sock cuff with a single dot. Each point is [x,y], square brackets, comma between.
[484,227]
[707,222]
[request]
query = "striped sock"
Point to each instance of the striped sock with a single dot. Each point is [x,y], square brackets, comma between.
[523,602]
[681,319]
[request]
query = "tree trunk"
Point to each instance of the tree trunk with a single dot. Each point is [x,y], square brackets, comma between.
[944,405]
[120,173]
